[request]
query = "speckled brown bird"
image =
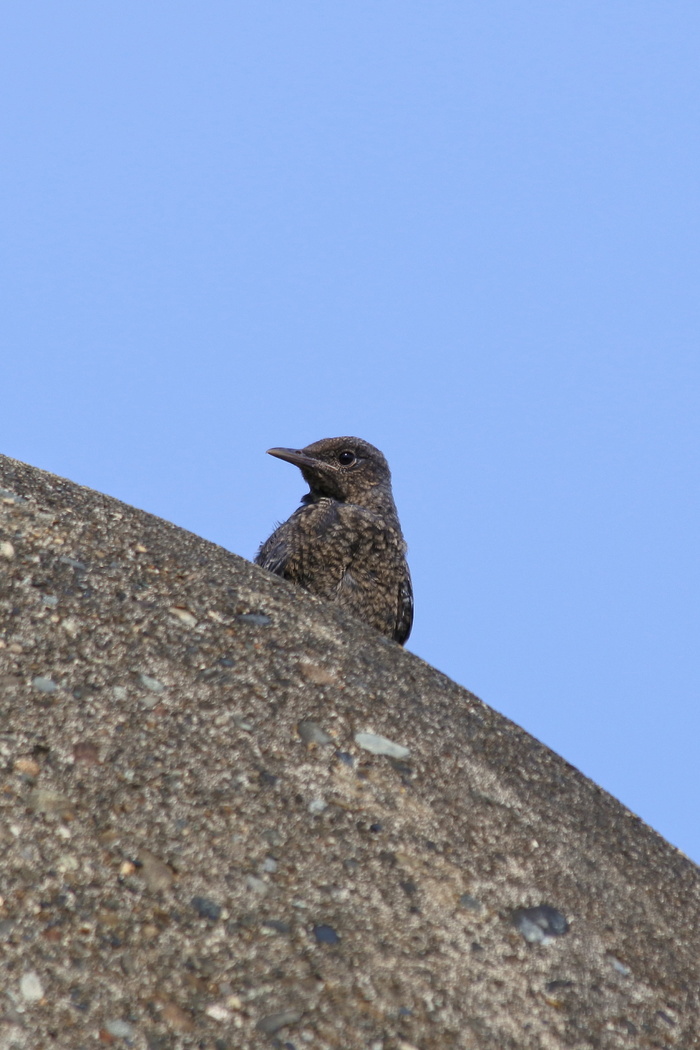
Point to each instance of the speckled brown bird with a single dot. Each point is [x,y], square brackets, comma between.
[345,542]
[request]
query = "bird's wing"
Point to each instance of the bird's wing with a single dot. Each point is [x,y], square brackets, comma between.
[284,551]
[274,553]
[404,619]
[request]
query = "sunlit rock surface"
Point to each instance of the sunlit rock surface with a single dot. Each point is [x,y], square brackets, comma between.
[231,816]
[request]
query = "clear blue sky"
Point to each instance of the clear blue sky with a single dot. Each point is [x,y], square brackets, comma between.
[466,232]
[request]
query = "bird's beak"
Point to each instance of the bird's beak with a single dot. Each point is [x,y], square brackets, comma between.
[292,455]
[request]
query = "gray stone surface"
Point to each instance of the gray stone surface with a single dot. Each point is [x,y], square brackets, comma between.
[181,867]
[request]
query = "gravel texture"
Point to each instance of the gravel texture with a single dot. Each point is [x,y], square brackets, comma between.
[231,816]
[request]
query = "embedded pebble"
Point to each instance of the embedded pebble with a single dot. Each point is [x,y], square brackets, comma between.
[6,928]
[8,496]
[86,751]
[71,627]
[151,683]
[156,873]
[270,865]
[177,1018]
[217,1011]
[184,615]
[31,987]
[276,925]
[206,908]
[27,765]
[325,934]
[79,566]
[257,885]
[273,1022]
[43,800]
[539,925]
[471,903]
[44,685]
[7,550]
[317,805]
[381,745]
[256,619]
[620,966]
[67,862]
[316,674]
[50,600]
[311,733]
[120,1029]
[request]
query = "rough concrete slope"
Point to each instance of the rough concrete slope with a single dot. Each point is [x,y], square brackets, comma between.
[204,841]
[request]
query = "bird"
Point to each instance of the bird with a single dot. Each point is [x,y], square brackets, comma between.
[344,543]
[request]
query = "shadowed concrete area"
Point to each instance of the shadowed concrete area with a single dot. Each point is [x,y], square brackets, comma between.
[231,816]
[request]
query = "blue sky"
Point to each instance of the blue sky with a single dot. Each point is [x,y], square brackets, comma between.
[467,233]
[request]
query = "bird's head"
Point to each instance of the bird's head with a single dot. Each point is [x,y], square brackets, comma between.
[344,468]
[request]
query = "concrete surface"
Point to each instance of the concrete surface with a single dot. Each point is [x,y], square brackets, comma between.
[205,841]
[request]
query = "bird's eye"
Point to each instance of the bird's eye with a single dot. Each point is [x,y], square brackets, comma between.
[346,459]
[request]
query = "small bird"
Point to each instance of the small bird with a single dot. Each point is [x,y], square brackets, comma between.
[345,542]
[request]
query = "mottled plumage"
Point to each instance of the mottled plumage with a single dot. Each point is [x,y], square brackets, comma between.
[345,543]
